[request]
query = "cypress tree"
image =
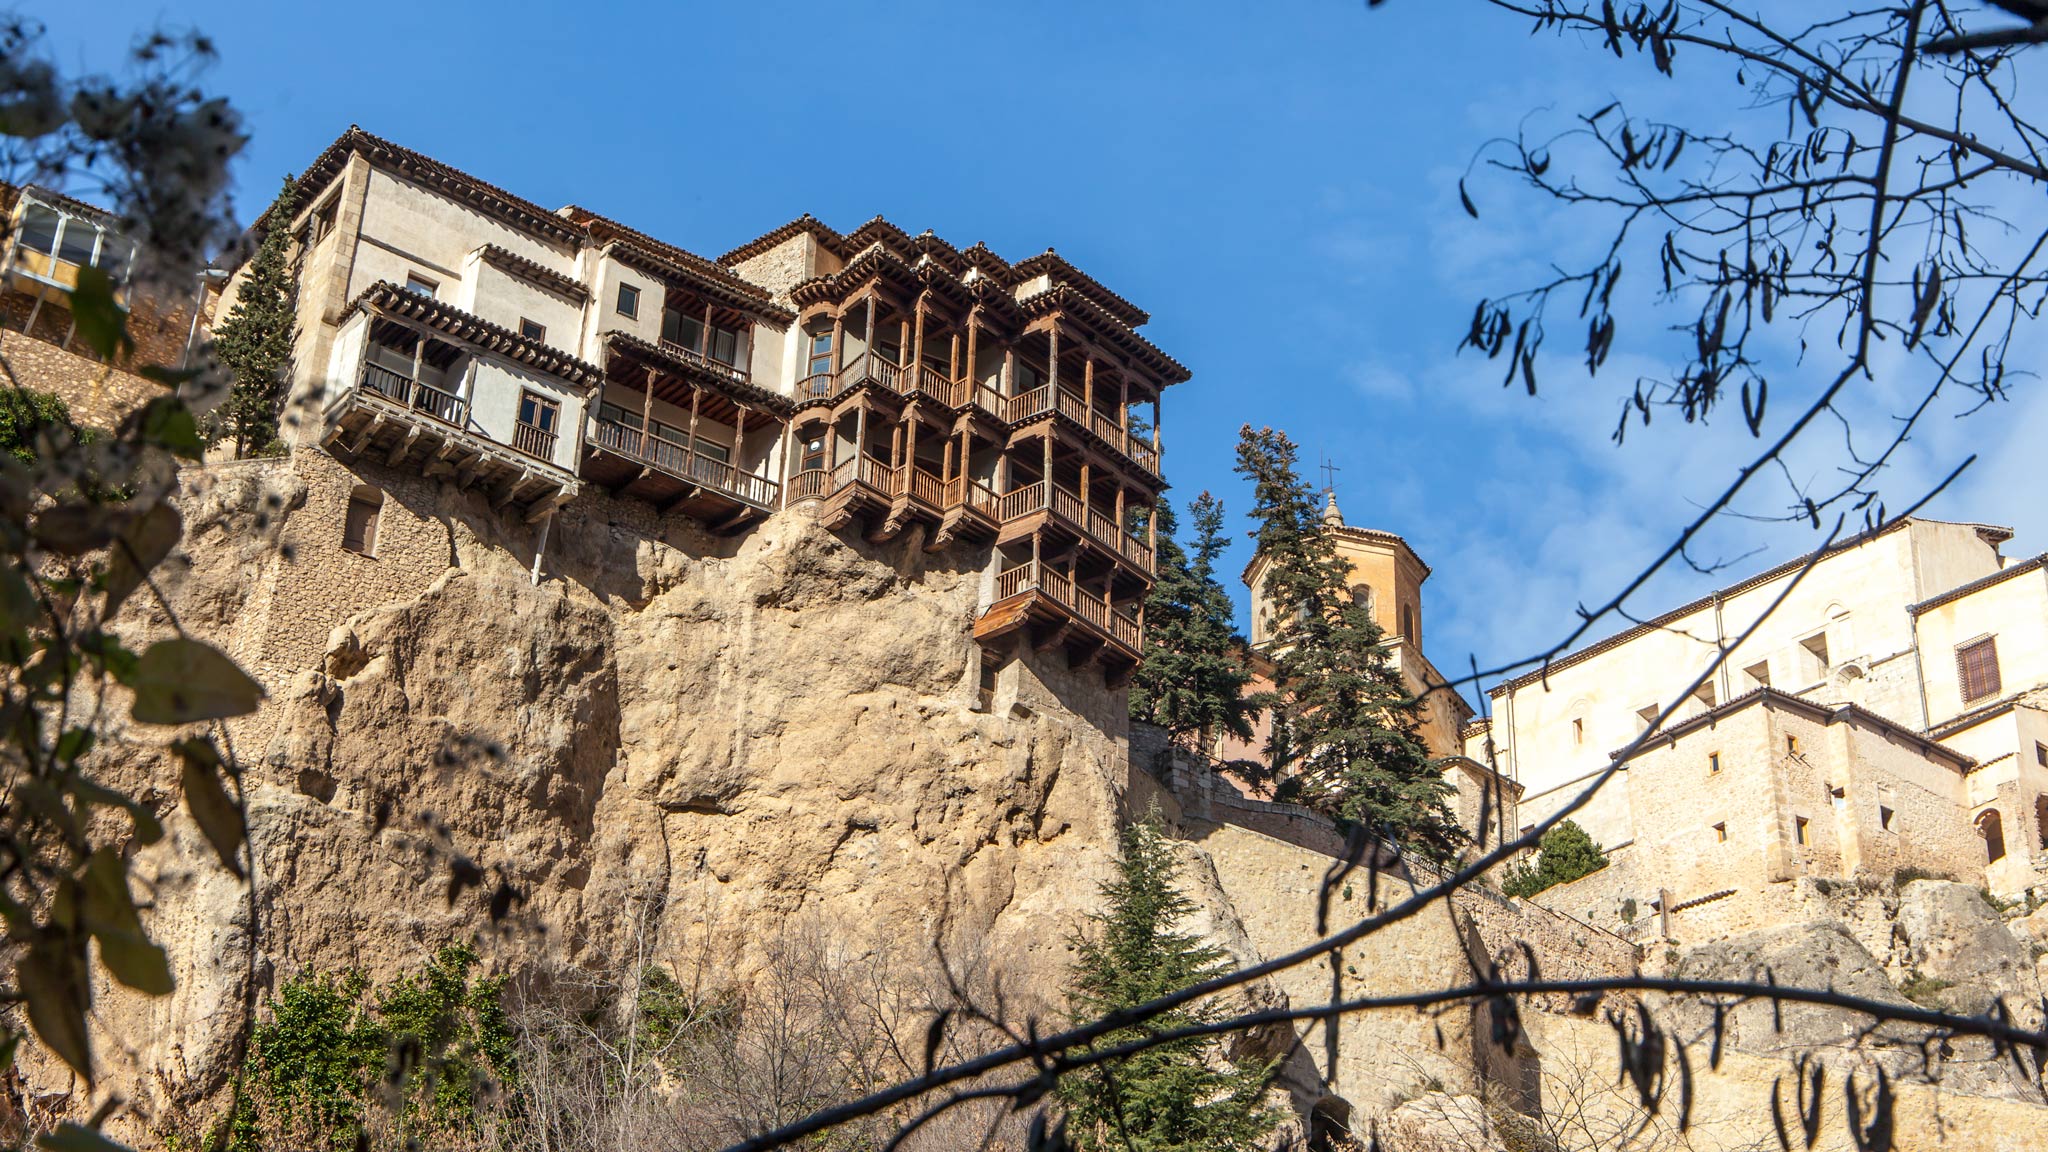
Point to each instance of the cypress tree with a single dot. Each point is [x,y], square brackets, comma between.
[1194,672]
[255,342]
[1565,853]
[1180,1095]
[1346,736]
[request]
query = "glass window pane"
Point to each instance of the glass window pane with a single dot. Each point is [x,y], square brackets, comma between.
[726,347]
[115,256]
[39,229]
[75,245]
[718,452]
[629,300]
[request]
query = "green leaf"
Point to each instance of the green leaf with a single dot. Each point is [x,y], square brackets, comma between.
[71,1137]
[180,681]
[147,829]
[142,545]
[102,323]
[168,423]
[208,801]
[53,982]
[110,916]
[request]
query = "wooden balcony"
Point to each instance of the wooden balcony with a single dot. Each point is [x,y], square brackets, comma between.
[866,368]
[719,367]
[1038,597]
[399,421]
[1029,508]
[669,475]
[1047,400]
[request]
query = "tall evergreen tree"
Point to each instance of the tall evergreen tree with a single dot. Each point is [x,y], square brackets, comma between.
[1180,1095]
[1193,676]
[255,342]
[1346,735]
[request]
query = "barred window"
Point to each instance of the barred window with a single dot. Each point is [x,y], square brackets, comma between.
[1977,669]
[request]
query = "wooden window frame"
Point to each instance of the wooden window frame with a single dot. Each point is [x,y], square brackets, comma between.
[539,335]
[625,293]
[433,291]
[1713,763]
[1967,664]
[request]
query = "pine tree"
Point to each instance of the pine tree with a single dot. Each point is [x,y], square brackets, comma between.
[1346,735]
[255,342]
[1180,1095]
[1194,672]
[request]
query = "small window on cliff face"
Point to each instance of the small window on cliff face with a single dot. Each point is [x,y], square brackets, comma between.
[985,693]
[359,525]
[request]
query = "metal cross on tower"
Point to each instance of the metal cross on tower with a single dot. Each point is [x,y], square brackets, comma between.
[1329,474]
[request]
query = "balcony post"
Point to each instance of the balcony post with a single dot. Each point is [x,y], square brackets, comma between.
[705,352]
[1123,410]
[1007,385]
[739,441]
[902,339]
[1084,493]
[1155,430]
[831,444]
[917,344]
[953,358]
[1120,512]
[910,455]
[1047,497]
[966,460]
[1152,526]
[870,322]
[1088,388]
[780,466]
[860,431]
[1052,359]
[690,447]
[973,326]
[647,417]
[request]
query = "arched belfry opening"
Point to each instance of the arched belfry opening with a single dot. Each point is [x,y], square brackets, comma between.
[1991,826]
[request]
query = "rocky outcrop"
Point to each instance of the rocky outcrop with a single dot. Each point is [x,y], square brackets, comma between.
[1960,950]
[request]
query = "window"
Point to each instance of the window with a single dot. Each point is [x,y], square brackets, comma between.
[1648,716]
[821,354]
[1977,669]
[2041,819]
[2041,753]
[813,455]
[1759,674]
[359,524]
[1720,833]
[1713,763]
[985,689]
[535,432]
[78,243]
[1705,695]
[532,331]
[1799,829]
[1817,647]
[39,228]
[1991,826]
[1884,818]
[1361,595]
[414,282]
[1578,731]
[538,411]
[718,452]
[324,216]
[1791,744]
[629,301]
[1840,798]
[1408,622]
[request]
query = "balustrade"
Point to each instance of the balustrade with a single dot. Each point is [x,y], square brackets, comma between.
[1093,610]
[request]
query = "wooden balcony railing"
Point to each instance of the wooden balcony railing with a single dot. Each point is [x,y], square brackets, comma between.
[816,386]
[681,462]
[418,395]
[1045,398]
[935,384]
[926,488]
[534,441]
[1022,502]
[1028,405]
[682,352]
[1033,498]
[978,497]
[988,400]
[810,484]
[1093,610]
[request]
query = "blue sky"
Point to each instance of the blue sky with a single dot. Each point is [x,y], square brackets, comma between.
[1274,182]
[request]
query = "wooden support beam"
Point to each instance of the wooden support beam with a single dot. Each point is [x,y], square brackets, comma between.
[403,446]
[542,508]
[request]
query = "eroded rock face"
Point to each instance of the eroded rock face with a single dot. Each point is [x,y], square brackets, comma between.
[727,736]
[1952,936]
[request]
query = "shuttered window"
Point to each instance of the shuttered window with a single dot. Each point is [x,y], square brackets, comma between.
[359,526]
[1977,668]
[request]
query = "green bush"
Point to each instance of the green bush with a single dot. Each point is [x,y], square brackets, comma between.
[1565,853]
